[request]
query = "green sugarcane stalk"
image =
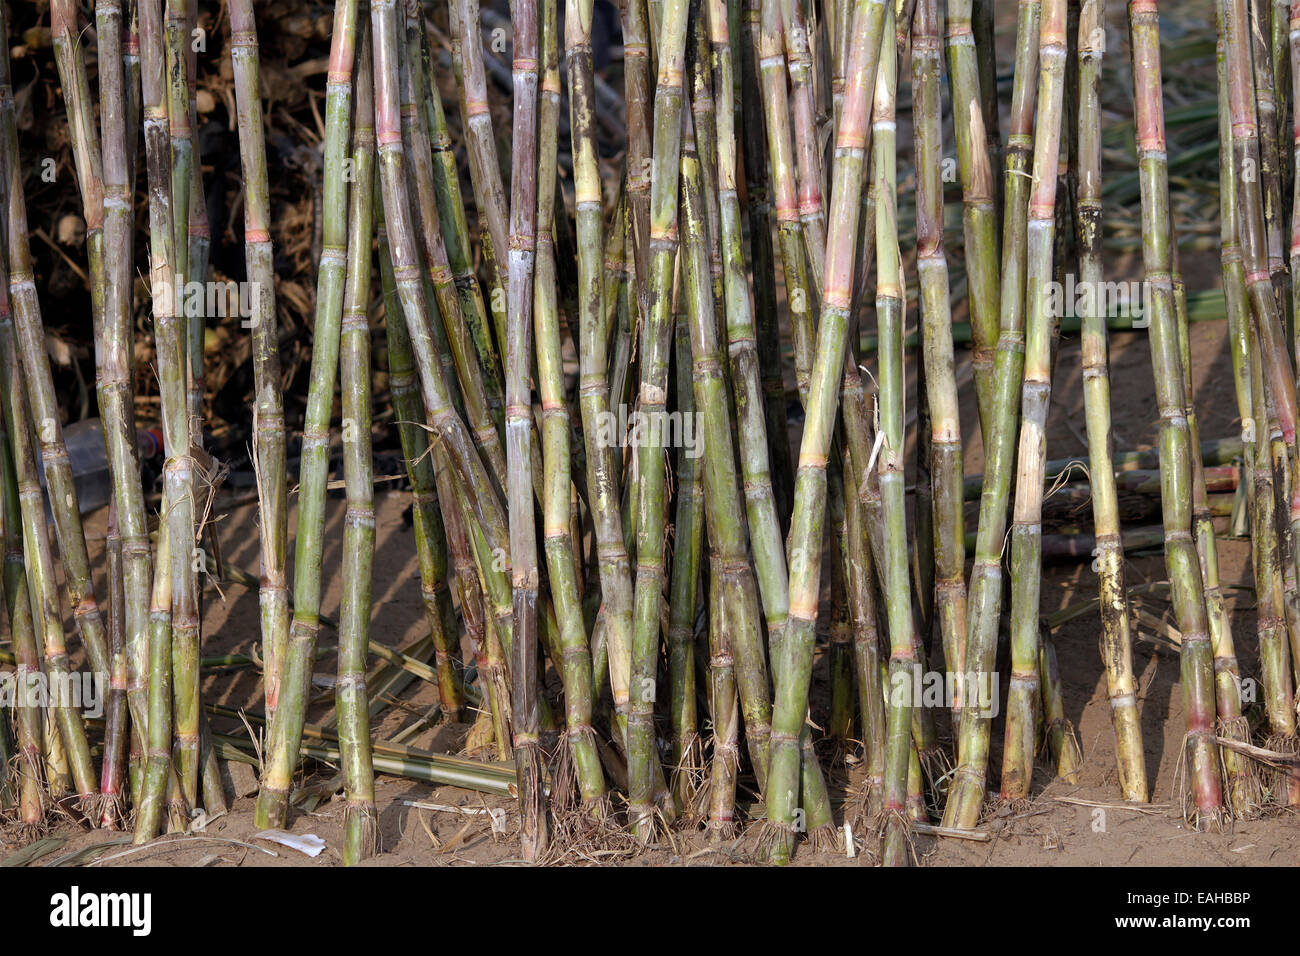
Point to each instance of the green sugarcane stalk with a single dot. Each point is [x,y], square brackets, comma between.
[861,584]
[638,73]
[722,497]
[1280,43]
[360,821]
[1270,158]
[455,231]
[1116,646]
[936,316]
[652,399]
[452,301]
[984,596]
[1201,751]
[799,294]
[480,141]
[457,463]
[268,406]
[30,340]
[805,543]
[688,528]
[534,829]
[64,724]
[903,644]
[112,776]
[178,436]
[761,512]
[603,492]
[807,161]
[747,111]
[426,516]
[1293,62]
[1026,529]
[971,126]
[286,728]
[119,116]
[558,541]
[27,716]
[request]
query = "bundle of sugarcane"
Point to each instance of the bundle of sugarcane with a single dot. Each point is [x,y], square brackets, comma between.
[599,361]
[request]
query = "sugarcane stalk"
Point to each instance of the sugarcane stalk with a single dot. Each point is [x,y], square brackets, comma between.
[940,382]
[903,646]
[480,142]
[28,718]
[455,231]
[268,405]
[747,105]
[722,497]
[558,541]
[688,532]
[979,210]
[452,302]
[1201,752]
[426,516]
[652,399]
[1026,530]
[360,821]
[805,542]
[286,728]
[594,397]
[534,830]
[799,294]
[30,338]
[1270,159]
[1116,644]
[807,161]
[63,721]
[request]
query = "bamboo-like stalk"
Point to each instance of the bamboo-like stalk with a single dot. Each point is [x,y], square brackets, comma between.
[558,541]
[761,513]
[268,404]
[112,775]
[656,334]
[1293,53]
[807,161]
[426,516]
[722,496]
[979,210]
[1116,645]
[458,465]
[805,542]
[28,718]
[480,142]
[890,289]
[688,533]
[603,494]
[286,728]
[178,435]
[966,795]
[360,821]
[534,830]
[46,612]
[455,231]
[453,303]
[30,335]
[1026,529]
[799,293]
[936,317]
[1270,159]
[1017,181]
[747,105]
[1201,751]
[638,74]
